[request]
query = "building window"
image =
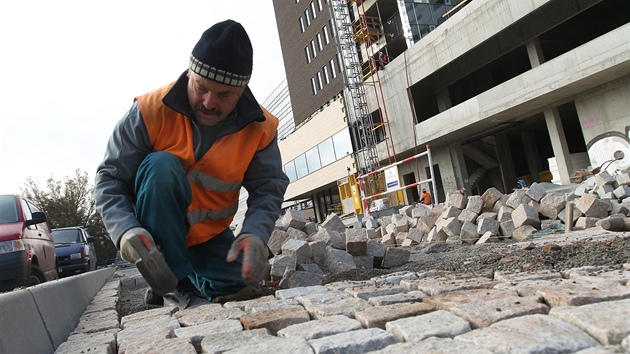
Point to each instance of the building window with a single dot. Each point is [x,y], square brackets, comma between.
[313,12]
[319,5]
[313,87]
[327,152]
[319,81]
[326,77]
[289,169]
[308,19]
[332,27]
[301,169]
[326,38]
[339,63]
[313,48]
[319,41]
[331,64]
[308,55]
[312,160]
[343,144]
[301,24]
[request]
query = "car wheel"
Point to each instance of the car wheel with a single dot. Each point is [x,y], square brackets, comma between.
[37,276]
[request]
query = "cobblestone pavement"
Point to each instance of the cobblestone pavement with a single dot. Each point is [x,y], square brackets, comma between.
[580,310]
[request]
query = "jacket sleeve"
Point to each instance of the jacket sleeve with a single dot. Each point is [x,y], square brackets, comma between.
[127,147]
[265,182]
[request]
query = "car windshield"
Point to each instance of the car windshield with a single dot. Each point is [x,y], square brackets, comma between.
[8,209]
[66,236]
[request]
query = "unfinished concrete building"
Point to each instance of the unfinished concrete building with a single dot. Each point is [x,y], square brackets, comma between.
[500,91]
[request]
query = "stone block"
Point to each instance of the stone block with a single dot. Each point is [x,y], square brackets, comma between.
[517,198]
[400,238]
[536,192]
[310,228]
[395,257]
[451,227]
[467,215]
[280,264]
[592,206]
[296,279]
[277,238]
[525,215]
[586,222]
[420,210]
[334,222]
[523,233]
[415,235]
[475,204]
[620,208]
[487,214]
[622,179]
[356,242]
[331,238]
[576,215]
[337,261]
[370,222]
[490,196]
[402,225]
[552,224]
[605,190]
[436,235]
[372,233]
[499,203]
[622,192]
[293,218]
[551,205]
[319,250]
[486,225]
[364,262]
[389,239]
[457,200]
[310,267]
[488,237]
[504,213]
[375,249]
[406,210]
[425,224]
[604,178]
[469,233]
[297,234]
[298,249]
[507,228]
[450,212]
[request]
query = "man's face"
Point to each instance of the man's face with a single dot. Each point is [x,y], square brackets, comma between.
[211,101]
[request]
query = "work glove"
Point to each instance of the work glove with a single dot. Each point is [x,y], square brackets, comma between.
[127,252]
[255,265]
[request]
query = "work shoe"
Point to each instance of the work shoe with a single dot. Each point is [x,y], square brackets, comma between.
[180,297]
[151,298]
[247,293]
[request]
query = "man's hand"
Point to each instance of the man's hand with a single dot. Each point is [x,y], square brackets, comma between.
[127,252]
[255,254]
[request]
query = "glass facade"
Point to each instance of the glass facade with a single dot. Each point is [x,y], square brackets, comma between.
[325,153]
[425,15]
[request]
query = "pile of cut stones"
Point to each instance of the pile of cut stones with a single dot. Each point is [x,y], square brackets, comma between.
[304,252]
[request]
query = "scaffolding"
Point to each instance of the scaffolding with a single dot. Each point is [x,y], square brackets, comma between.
[359,118]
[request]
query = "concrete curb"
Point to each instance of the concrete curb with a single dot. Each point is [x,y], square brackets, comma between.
[38,319]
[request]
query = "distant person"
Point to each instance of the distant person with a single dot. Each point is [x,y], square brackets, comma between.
[175,164]
[382,60]
[426,197]
[462,191]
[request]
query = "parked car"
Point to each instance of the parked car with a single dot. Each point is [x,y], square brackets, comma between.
[27,251]
[75,250]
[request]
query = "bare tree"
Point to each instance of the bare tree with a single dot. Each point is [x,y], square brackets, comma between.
[70,202]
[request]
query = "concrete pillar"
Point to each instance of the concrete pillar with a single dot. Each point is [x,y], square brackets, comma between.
[535,53]
[317,209]
[559,144]
[532,155]
[506,163]
[459,169]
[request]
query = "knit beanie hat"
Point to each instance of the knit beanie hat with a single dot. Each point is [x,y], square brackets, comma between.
[224,54]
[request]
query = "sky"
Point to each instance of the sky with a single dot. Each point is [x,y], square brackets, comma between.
[69,70]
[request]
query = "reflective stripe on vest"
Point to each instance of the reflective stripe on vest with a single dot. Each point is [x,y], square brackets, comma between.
[215,180]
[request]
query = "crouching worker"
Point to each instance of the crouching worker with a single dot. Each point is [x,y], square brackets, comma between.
[174,167]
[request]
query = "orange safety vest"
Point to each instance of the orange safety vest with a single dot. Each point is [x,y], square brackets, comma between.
[216,178]
[426,198]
